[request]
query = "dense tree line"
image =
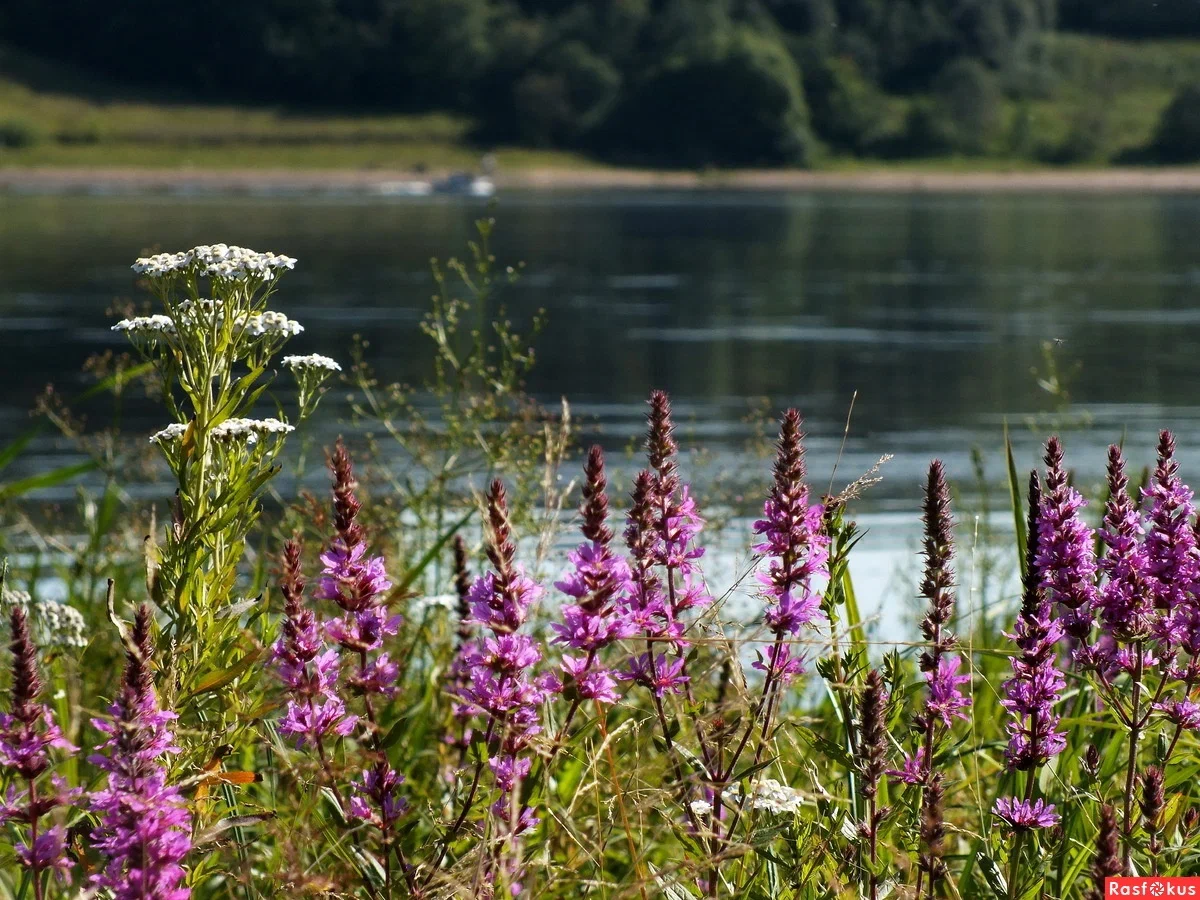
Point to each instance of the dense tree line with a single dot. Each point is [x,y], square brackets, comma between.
[691,82]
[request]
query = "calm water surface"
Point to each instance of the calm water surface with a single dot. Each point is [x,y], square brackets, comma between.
[933,308]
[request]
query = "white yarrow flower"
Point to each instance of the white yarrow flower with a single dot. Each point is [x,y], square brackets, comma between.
[273,323]
[146,325]
[215,261]
[701,807]
[250,429]
[775,798]
[54,624]
[172,432]
[312,361]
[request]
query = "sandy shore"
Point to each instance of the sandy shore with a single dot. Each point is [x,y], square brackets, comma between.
[120,180]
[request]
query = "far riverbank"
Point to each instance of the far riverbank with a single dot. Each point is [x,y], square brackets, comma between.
[377,181]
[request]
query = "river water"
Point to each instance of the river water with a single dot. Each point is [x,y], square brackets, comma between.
[931,312]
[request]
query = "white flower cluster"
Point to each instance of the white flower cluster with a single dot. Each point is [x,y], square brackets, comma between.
[701,807]
[250,429]
[146,325]
[215,261]
[775,798]
[191,311]
[54,624]
[269,323]
[172,432]
[312,361]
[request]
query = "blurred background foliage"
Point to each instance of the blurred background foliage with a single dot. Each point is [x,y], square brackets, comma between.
[652,82]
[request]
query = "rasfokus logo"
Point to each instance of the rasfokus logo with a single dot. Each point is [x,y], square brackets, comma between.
[1152,887]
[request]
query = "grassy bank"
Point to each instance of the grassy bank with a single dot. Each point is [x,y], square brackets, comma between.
[1101,102]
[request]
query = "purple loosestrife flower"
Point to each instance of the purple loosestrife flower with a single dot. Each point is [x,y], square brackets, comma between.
[501,687]
[939,665]
[376,798]
[677,522]
[660,674]
[662,527]
[144,829]
[307,669]
[356,582]
[1184,713]
[797,549]
[1171,551]
[1124,605]
[597,582]
[1024,815]
[1036,685]
[27,733]
[1066,556]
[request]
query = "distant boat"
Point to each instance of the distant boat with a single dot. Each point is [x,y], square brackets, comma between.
[465,184]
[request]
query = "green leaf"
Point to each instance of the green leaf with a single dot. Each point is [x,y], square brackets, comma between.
[219,679]
[1014,493]
[49,479]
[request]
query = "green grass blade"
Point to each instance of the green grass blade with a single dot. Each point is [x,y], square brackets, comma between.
[431,554]
[1014,493]
[49,479]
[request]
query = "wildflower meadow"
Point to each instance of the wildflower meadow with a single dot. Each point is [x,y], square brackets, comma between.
[384,681]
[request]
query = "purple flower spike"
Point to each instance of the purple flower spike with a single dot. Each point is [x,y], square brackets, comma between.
[501,687]
[1023,815]
[663,525]
[797,550]
[307,669]
[27,734]
[1125,605]
[376,798]
[1065,557]
[1171,550]
[145,827]
[1036,685]
[599,583]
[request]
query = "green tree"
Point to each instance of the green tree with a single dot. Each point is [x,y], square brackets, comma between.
[737,100]
[1177,138]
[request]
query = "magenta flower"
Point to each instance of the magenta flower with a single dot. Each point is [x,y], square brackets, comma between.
[501,686]
[27,733]
[145,827]
[1171,551]
[797,550]
[310,720]
[660,675]
[1033,692]
[1023,815]
[913,770]
[946,700]
[309,672]
[1125,603]
[376,798]
[662,527]
[598,581]
[1184,713]
[1065,557]
[777,662]
[1036,686]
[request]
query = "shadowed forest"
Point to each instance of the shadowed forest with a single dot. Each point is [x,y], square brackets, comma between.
[664,82]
